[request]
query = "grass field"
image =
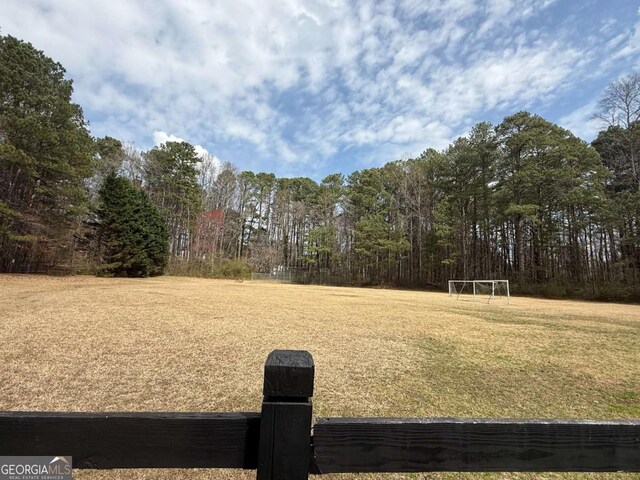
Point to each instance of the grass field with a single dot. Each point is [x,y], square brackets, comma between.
[181,344]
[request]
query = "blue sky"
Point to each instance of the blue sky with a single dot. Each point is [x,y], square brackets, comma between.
[307,88]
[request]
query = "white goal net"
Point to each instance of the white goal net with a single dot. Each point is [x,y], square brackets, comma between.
[483,289]
[278,274]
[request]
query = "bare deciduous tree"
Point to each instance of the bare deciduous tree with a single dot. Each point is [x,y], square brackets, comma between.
[620,102]
[620,107]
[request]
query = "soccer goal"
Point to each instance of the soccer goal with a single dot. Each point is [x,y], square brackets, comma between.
[489,289]
[279,274]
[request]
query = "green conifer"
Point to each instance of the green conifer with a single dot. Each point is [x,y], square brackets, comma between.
[132,236]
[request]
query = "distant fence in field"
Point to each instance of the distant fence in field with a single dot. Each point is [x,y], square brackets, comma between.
[268,277]
[302,275]
[282,444]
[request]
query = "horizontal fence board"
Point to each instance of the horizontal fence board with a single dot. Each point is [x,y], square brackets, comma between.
[441,444]
[135,440]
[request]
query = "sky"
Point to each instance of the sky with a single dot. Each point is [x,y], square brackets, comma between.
[309,88]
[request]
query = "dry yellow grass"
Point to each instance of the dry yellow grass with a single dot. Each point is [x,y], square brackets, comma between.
[181,344]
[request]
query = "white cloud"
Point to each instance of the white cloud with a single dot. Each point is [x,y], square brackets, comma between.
[160,138]
[632,45]
[582,123]
[295,82]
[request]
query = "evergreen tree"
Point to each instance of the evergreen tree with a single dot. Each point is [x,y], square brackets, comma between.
[622,221]
[171,175]
[132,236]
[549,183]
[45,156]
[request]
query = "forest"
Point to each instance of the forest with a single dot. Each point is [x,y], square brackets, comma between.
[523,200]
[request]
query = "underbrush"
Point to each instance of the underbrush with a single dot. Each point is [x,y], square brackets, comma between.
[206,269]
[605,292]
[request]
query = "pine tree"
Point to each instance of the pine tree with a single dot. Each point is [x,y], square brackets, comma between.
[45,156]
[171,176]
[132,235]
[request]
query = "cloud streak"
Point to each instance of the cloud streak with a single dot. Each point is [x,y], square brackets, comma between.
[297,86]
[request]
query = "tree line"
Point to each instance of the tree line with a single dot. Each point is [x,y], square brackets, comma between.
[523,200]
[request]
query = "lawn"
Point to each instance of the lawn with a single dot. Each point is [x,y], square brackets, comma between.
[183,344]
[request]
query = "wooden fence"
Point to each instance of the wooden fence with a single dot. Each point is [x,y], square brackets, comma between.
[282,445]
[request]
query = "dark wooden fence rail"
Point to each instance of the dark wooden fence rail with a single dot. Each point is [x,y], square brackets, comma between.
[282,445]
[136,440]
[468,445]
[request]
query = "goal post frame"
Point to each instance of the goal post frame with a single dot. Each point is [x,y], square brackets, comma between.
[475,282]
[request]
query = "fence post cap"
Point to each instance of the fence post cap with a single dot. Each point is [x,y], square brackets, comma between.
[289,373]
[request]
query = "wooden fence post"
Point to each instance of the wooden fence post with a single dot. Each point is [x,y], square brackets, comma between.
[285,422]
